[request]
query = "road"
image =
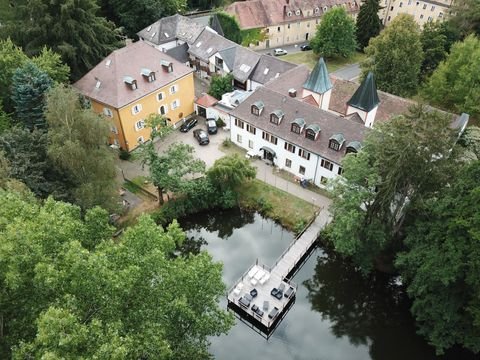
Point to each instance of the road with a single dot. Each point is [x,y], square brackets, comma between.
[290,48]
[349,72]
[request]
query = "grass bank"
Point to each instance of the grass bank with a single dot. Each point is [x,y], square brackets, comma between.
[291,212]
[333,64]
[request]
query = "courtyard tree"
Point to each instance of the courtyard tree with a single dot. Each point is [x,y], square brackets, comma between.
[395,57]
[402,161]
[368,22]
[466,16]
[434,45]
[69,291]
[455,84]
[335,35]
[230,171]
[78,146]
[440,264]
[220,85]
[29,87]
[72,29]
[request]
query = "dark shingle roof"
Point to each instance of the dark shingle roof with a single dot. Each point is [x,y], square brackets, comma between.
[365,97]
[179,53]
[319,80]
[268,67]
[329,123]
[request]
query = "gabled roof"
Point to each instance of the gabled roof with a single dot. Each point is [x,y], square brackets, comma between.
[268,68]
[170,28]
[365,97]
[319,80]
[208,43]
[206,101]
[228,56]
[245,62]
[128,62]
[179,53]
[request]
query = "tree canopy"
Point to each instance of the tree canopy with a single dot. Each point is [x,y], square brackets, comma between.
[395,57]
[77,146]
[441,264]
[455,84]
[434,45]
[69,291]
[72,29]
[230,27]
[368,22]
[230,171]
[335,35]
[402,161]
[220,85]
[466,16]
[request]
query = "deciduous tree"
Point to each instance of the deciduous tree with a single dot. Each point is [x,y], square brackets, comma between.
[73,29]
[403,161]
[335,35]
[230,171]
[466,16]
[434,45]
[29,86]
[220,85]
[455,84]
[69,291]
[441,264]
[368,22]
[395,57]
[230,27]
[78,145]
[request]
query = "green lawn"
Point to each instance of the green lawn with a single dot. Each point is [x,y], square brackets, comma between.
[310,59]
[290,211]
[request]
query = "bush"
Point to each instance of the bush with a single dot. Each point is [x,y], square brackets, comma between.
[220,123]
[124,154]
[227,143]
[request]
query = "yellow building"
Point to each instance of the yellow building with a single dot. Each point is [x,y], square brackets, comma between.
[423,11]
[134,82]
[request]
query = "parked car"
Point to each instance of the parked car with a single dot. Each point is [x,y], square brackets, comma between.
[186,126]
[211,126]
[201,136]
[279,52]
[305,47]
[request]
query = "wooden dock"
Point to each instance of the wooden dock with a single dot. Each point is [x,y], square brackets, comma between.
[263,295]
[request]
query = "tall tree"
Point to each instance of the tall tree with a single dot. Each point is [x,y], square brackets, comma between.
[403,161]
[230,27]
[51,62]
[455,84]
[69,291]
[29,87]
[77,145]
[441,264]
[26,152]
[395,57]
[466,16]
[335,35]
[11,57]
[434,45]
[135,15]
[368,22]
[71,28]
[220,85]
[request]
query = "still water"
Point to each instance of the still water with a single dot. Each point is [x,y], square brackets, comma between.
[338,314]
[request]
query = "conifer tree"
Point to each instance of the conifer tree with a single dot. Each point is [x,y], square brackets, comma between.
[368,22]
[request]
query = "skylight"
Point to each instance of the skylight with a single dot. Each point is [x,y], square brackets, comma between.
[108,62]
[245,68]
[149,28]
[209,50]
[265,72]
[199,44]
[166,35]
[153,34]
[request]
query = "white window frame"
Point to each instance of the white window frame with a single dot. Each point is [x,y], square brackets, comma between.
[239,138]
[175,104]
[250,144]
[140,140]
[173,89]
[165,107]
[161,94]
[139,125]
[107,112]
[113,129]
[137,108]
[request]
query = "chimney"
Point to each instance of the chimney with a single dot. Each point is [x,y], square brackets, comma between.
[292,92]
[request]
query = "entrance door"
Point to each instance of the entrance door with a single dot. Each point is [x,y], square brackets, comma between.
[306,36]
[202,111]
[267,155]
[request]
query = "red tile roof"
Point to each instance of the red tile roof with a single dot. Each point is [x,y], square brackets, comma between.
[310,100]
[206,101]
[105,82]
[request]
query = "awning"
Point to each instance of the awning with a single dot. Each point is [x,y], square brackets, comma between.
[267,149]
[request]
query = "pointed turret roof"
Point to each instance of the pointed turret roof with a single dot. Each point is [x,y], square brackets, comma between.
[366,97]
[318,81]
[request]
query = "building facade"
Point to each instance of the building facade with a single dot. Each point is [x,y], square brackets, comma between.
[423,11]
[285,22]
[134,82]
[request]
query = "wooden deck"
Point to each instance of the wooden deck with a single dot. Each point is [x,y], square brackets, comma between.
[262,279]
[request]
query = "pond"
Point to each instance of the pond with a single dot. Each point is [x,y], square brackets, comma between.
[338,314]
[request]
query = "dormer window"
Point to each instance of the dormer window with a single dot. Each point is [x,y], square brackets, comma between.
[317,10]
[312,132]
[166,65]
[325,8]
[297,12]
[289,13]
[336,142]
[130,82]
[276,117]
[148,74]
[297,125]
[353,147]
[257,108]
